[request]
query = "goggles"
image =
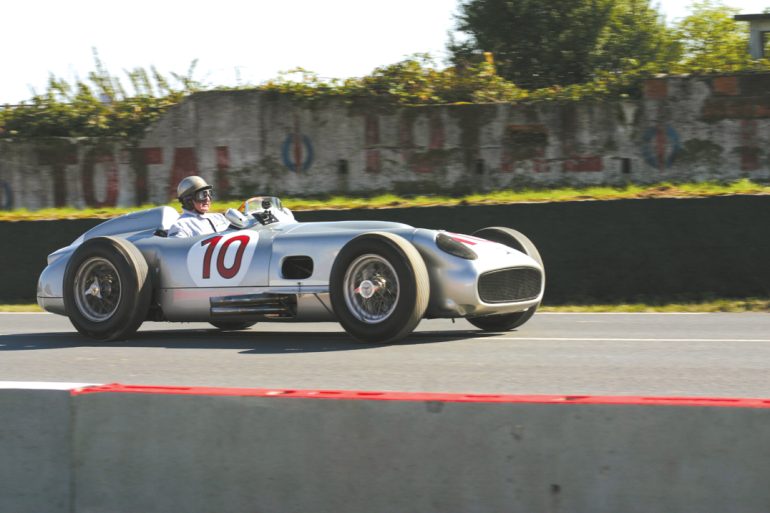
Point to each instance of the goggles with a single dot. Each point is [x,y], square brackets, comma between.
[203,195]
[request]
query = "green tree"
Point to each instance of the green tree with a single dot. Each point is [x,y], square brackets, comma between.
[635,35]
[712,40]
[539,44]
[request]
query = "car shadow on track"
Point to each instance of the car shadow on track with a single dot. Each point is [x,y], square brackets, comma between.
[247,342]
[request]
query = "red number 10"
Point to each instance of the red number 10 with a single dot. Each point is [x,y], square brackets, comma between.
[222,269]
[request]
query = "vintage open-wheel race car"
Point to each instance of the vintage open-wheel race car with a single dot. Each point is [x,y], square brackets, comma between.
[377,279]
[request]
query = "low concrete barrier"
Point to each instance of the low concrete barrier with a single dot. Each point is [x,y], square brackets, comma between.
[35,448]
[161,449]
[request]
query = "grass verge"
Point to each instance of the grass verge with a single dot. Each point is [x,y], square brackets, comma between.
[661,190]
[716,305]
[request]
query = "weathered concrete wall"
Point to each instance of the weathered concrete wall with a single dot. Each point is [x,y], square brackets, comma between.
[247,142]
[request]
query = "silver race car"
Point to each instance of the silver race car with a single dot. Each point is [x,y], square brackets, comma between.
[377,279]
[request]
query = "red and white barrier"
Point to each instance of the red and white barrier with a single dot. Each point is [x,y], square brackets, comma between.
[160,449]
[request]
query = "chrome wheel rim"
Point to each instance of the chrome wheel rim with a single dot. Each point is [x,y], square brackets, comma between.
[371,289]
[97,289]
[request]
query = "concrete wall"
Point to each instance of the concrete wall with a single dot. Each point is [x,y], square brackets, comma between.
[247,142]
[156,449]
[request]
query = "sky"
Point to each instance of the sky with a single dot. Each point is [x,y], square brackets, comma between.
[234,42]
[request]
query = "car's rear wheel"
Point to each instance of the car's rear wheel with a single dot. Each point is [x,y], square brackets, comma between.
[379,287]
[106,288]
[519,242]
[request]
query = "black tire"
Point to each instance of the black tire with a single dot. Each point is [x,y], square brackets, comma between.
[516,240]
[232,325]
[106,289]
[379,287]
[503,322]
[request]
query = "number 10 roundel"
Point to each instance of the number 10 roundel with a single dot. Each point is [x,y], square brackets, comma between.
[221,260]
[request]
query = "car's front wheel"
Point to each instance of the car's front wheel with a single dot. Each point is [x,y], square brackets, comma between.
[106,288]
[379,287]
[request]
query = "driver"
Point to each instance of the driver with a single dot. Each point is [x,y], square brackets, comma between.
[195,195]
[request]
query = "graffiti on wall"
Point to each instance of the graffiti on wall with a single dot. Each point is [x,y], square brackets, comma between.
[749,150]
[583,164]
[523,143]
[100,162]
[58,156]
[185,164]
[100,180]
[297,149]
[297,152]
[660,146]
[434,157]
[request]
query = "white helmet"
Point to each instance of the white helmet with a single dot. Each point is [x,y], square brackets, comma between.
[189,186]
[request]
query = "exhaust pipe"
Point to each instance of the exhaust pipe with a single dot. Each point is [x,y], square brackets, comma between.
[254,306]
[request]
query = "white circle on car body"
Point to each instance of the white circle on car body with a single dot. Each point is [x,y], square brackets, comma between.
[222,260]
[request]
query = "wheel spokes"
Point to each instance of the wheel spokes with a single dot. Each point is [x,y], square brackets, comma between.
[372,288]
[98,289]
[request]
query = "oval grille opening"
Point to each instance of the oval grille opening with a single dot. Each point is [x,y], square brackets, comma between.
[510,285]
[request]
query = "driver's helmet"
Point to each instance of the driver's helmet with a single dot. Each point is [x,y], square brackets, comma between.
[189,187]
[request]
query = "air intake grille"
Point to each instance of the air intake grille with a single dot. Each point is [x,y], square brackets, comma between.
[509,285]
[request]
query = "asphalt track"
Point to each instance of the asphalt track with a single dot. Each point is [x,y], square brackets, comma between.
[674,355]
